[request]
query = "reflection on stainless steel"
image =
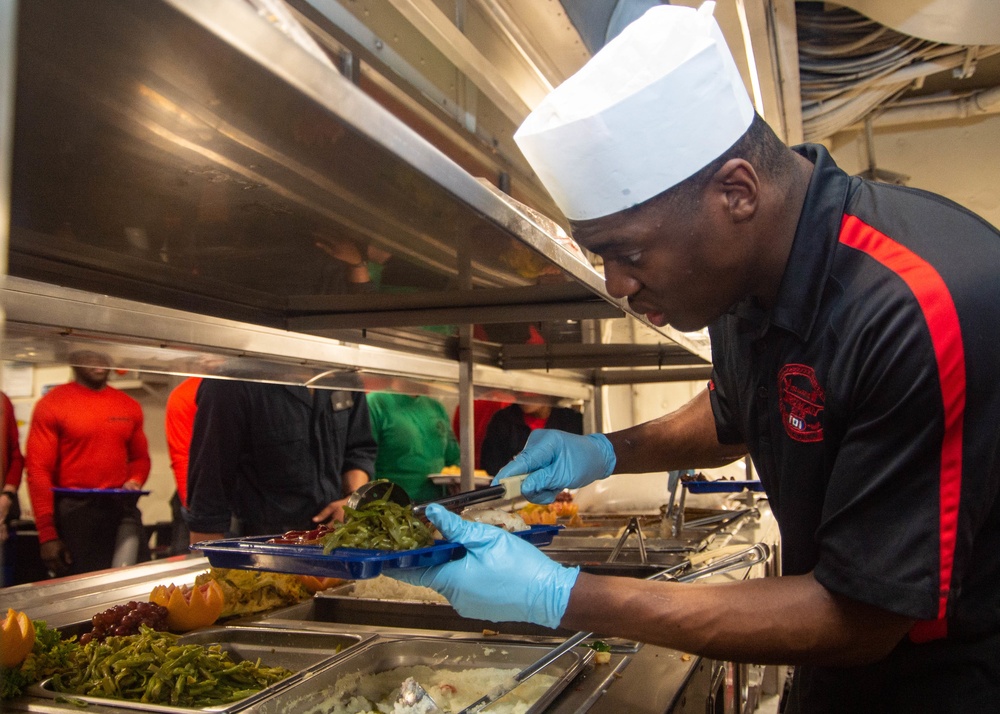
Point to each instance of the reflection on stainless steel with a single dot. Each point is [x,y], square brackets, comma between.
[199,158]
[149,162]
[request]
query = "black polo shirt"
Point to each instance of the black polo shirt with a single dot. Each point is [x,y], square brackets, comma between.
[869,399]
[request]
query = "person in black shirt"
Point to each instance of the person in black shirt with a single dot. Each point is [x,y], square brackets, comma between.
[268,458]
[510,427]
[852,327]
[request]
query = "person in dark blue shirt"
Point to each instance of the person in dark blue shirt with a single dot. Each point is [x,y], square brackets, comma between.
[268,458]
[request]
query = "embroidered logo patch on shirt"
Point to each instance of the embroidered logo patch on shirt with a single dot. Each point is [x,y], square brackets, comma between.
[801,399]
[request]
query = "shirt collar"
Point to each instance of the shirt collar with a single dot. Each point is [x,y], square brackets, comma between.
[813,248]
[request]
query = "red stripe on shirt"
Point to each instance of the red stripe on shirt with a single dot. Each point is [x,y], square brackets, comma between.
[941,316]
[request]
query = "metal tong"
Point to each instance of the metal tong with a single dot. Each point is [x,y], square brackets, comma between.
[374,490]
[412,694]
[631,527]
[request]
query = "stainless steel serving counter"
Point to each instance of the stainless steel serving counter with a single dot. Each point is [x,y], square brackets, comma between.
[639,678]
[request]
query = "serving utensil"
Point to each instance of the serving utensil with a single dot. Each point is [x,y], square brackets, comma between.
[413,695]
[381,488]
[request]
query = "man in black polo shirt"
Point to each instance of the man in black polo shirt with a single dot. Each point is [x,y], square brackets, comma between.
[853,334]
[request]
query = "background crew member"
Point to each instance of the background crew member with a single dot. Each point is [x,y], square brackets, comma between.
[850,325]
[268,458]
[87,435]
[414,440]
[510,427]
[12,463]
[178,423]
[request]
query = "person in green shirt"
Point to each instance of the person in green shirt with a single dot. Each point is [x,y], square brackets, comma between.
[414,439]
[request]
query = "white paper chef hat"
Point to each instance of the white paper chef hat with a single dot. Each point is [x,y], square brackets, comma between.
[657,104]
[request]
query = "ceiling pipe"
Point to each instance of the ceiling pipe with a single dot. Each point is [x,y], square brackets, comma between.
[978,104]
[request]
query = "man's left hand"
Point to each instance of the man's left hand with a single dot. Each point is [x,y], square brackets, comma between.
[501,578]
[132,485]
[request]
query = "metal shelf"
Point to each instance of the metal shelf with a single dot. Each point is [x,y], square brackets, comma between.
[46,322]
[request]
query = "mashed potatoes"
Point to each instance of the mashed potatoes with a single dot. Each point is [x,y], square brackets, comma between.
[452,690]
[385,588]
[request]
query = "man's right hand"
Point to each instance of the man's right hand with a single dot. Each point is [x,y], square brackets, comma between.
[56,557]
[555,460]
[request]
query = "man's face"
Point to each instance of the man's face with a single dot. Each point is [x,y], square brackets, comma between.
[92,370]
[678,262]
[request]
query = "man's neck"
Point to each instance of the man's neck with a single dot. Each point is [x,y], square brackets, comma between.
[90,385]
[781,225]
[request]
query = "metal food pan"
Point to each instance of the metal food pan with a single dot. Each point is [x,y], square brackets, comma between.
[297,650]
[628,563]
[385,654]
[301,651]
[339,605]
[607,525]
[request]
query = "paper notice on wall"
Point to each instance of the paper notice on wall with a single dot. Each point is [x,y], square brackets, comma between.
[18,379]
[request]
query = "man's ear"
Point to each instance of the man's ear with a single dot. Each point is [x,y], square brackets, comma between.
[739,183]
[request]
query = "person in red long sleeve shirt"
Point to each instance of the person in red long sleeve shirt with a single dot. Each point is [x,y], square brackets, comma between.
[179,421]
[85,435]
[12,463]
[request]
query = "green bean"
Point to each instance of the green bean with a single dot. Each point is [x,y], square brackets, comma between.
[381,525]
[152,667]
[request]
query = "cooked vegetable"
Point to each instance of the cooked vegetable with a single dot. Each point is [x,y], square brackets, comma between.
[247,592]
[152,667]
[537,514]
[51,654]
[602,651]
[381,525]
[17,638]
[187,607]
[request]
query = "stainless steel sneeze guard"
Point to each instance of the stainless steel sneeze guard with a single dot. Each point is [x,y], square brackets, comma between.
[183,147]
[187,154]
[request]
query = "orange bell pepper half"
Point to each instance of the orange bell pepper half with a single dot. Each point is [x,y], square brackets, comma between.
[189,608]
[17,638]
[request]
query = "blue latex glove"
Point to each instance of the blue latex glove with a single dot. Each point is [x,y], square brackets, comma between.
[555,460]
[502,578]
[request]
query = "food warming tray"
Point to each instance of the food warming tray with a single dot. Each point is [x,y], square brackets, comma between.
[301,651]
[381,655]
[340,605]
[350,563]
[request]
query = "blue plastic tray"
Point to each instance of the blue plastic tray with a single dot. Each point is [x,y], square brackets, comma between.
[349,563]
[721,486]
[105,491]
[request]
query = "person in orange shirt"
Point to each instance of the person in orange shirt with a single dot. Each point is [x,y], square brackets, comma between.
[86,435]
[12,463]
[178,423]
